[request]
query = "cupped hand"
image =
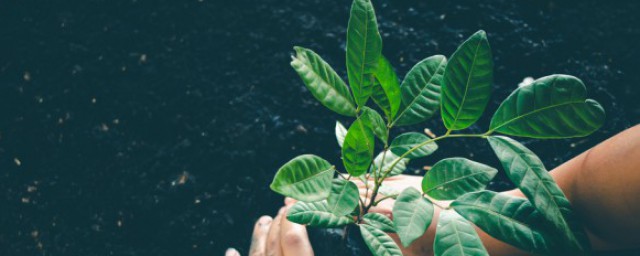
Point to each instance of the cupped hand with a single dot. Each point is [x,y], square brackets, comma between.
[278,237]
[393,186]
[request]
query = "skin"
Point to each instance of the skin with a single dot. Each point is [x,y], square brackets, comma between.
[278,236]
[602,185]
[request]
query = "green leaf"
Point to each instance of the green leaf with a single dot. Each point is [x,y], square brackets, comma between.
[389,190]
[357,150]
[453,177]
[377,123]
[512,220]
[305,178]
[527,172]
[379,243]
[389,158]
[343,198]
[421,91]
[386,92]
[551,107]
[406,141]
[379,221]
[341,133]
[316,214]
[364,47]
[412,214]
[467,82]
[323,82]
[455,236]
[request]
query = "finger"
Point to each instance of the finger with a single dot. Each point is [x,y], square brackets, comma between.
[289,201]
[273,238]
[370,181]
[294,239]
[231,252]
[369,177]
[259,238]
[383,207]
[359,183]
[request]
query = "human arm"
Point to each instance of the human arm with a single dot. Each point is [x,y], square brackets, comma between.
[602,184]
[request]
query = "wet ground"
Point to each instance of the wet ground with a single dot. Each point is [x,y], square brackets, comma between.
[154,127]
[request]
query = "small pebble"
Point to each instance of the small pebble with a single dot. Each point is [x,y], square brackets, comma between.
[143,58]
[26,76]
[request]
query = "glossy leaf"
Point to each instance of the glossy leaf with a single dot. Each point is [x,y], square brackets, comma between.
[323,82]
[378,126]
[305,178]
[389,190]
[379,243]
[406,141]
[386,91]
[343,198]
[527,172]
[421,91]
[379,221]
[453,177]
[412,214]
[466,85]
[554,106]
[316,214]
[341,132]
[512,220]
[455,236]
[389,158]
[357,150]
[364,47]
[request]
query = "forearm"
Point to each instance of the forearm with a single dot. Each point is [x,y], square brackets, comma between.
[602,185]
[424,245]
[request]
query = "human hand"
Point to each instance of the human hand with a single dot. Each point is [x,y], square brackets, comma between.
[394,185]
[391,186]
[278,236]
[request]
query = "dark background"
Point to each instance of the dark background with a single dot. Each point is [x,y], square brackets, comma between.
[154,127]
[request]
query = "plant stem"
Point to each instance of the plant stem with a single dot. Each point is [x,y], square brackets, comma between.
[435,203]
[383,198]
[440,206]
[467,135]
[384,155]
[366,185]
[378,182]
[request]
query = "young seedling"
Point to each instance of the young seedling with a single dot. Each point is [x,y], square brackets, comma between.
[551,107]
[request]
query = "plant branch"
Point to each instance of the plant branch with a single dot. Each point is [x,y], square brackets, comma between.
[378,182]
[440,206]
[436,203]
[383,198]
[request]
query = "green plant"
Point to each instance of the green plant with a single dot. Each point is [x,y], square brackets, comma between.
[551,107]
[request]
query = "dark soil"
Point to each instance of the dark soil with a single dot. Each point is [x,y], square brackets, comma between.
[154,127]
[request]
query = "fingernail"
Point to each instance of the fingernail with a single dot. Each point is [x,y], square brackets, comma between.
[231,252]
[264,220]
[289,201]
